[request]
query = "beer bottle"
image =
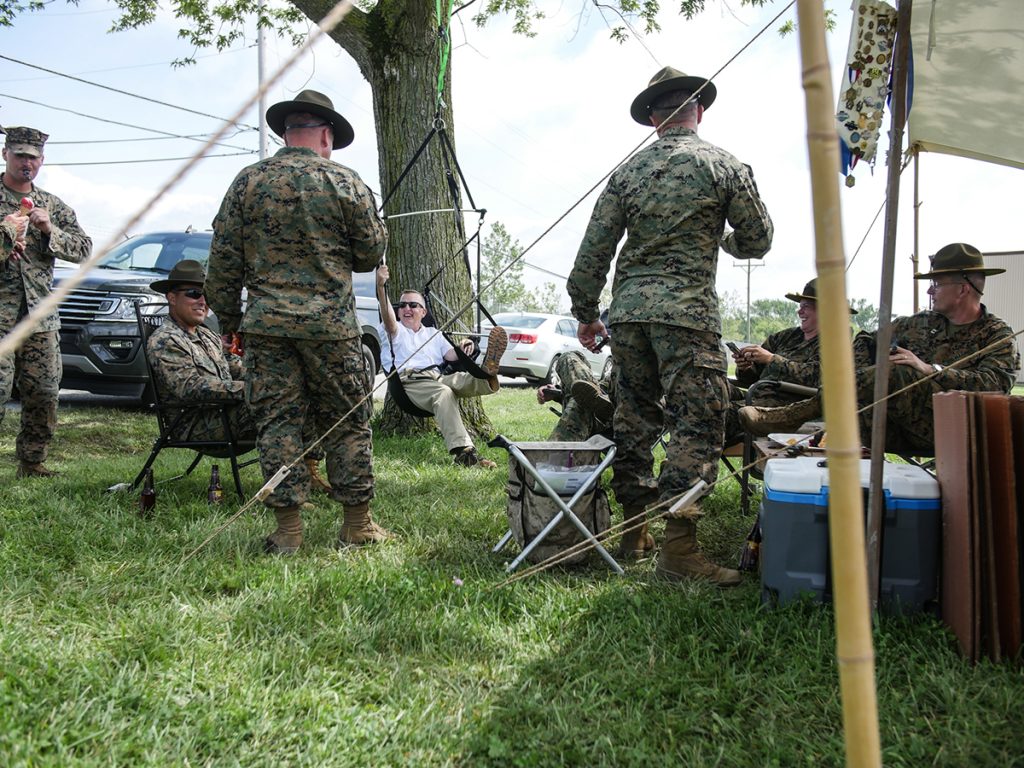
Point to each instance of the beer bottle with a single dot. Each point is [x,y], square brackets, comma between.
[147,500]
[215,494]
[751,549]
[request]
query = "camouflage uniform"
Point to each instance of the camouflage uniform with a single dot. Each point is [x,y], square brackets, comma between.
[192,366]
[577,423]
[674,199]
[910,425]
[292,229]
[795,361]
[23,284]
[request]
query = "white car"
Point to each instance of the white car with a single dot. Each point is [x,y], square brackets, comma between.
[536,341]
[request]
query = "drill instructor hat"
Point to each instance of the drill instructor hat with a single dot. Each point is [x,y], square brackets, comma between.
[957,258]
[185,271]
[670,79]
[313,103]
[810,294]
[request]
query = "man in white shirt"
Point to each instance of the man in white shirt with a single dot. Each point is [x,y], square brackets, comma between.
[417,352]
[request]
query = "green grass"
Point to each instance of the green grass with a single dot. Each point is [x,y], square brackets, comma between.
[112,653]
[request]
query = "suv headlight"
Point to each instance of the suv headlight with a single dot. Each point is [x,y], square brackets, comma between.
[125,310]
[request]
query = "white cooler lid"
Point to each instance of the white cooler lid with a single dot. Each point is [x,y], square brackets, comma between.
[803,475]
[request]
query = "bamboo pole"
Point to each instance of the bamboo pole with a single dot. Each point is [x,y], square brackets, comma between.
[854,651]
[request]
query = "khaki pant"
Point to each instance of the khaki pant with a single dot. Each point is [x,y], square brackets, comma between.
[439,394]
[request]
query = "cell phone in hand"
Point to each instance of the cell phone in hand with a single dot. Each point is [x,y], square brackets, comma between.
[732,347]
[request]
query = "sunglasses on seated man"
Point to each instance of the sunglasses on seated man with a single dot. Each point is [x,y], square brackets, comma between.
[409,304]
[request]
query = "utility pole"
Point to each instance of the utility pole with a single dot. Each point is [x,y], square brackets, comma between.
[749,265]
[260,46]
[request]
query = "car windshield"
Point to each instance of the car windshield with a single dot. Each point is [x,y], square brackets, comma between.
[516,320]
[158,251]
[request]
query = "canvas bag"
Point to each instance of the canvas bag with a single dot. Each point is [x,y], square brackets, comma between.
[530,508]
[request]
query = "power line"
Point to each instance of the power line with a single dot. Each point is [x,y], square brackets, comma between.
[154,160]
[123,93]
[167,134]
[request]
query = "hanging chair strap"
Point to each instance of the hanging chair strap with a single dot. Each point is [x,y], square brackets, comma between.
[396,388]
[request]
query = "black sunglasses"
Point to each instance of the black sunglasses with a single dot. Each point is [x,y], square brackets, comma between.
[192,293]
[409,304]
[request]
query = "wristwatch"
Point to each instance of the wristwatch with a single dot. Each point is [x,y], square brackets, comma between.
[937,367]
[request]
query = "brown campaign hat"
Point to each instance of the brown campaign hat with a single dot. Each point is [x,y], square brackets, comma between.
[25,141]
[185,271]
[314,103]
[810,293]
[670,79]
[957,257]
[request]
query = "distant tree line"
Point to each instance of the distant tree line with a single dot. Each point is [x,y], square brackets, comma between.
[768,316]
[509,293]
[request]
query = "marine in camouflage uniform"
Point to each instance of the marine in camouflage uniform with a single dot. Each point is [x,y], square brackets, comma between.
[674,199]
[292,229]
[28,246]
[788,356]
[958,325]
[577,422]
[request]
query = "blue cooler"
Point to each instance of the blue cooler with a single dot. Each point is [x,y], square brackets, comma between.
[795,540]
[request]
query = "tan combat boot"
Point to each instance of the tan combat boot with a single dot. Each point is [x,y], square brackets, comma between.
[316,480]
[593,399]
[287,539]
[33,469]
[761,421]
[358,527]
[681,558]
[636,542]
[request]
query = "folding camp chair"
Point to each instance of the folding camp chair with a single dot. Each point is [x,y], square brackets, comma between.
[171,415]
[578,472]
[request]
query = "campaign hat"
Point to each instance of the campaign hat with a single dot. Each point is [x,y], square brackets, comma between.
[185,271]
[810,293]
[670,79]
[957,258]
[25,141]
[313,103]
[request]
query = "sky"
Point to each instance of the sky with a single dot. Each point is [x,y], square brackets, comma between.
[537,123]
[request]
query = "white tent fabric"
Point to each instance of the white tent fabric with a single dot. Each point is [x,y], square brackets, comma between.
[969,79]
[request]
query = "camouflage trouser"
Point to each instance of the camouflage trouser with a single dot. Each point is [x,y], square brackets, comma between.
[37,368]
[764,396]
[910,420]
[688,368]
[289,379]
[577,423]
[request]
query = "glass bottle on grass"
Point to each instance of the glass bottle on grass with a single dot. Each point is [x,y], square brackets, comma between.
[147,499]
[215,493]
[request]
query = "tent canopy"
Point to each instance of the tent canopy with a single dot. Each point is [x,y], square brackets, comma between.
[969,79]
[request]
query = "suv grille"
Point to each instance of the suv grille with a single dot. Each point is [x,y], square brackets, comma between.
[83,306]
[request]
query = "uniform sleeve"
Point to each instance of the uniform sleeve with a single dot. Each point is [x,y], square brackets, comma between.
[67,239]
[781,368]
[752,229]
[225,271]
[593,260]
[993,371]
[367,236]
[178,377]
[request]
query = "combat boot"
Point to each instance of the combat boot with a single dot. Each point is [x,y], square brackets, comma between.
[681,558]
[35,469]
[316,480]
[761,421]
[358,527]
[590,396]
[287,539]
[636,542]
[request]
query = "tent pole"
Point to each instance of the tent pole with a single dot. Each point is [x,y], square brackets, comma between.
[917,223]
[854,652]
[884,336]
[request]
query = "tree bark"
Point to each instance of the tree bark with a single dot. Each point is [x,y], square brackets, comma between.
[397,48]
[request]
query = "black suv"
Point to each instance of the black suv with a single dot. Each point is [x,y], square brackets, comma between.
[99,338]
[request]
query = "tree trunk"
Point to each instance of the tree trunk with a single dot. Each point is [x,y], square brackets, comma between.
[397,49]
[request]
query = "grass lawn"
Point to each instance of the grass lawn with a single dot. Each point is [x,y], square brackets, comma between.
[112,653]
